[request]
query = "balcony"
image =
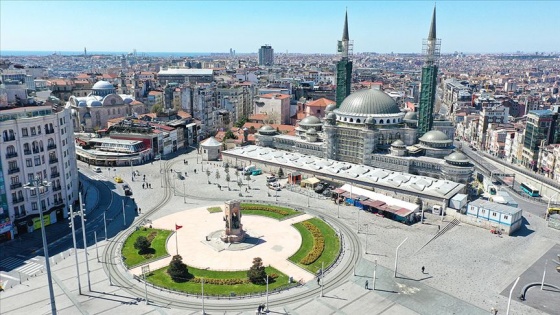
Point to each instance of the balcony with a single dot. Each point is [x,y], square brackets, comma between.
[13,170]
[11,155]
[12,138]
[52,161]
[58,202]
[51,146]
[49,131]
[55,175]
[57,188]
[27,152]
[20,215]
[18,200]
[15,186]
[36,150]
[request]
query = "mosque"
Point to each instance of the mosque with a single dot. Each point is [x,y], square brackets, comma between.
[368,127]
[91,113]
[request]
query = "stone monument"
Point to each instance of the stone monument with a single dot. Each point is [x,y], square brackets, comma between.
[232,217]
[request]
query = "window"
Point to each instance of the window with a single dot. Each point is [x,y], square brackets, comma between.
[24,132]
[37,160]
[506,217]
[28,163]
[34,206]
[33,131]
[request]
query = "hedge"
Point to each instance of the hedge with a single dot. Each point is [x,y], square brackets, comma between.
[279,210]
[318,244]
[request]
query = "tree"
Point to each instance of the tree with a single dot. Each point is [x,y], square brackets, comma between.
[239,183]
[241,122]
[208,175]
[177,270]
[228,178]
[217,175]
[280,173]
[229,135]
[257,273]
[142,244]
[157,108]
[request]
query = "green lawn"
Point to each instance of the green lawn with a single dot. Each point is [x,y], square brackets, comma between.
[161,278]
[214,209]
[332,245]
[270,211]
[132,258]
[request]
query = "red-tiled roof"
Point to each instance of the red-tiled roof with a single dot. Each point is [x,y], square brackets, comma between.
[275,96]
[322,102]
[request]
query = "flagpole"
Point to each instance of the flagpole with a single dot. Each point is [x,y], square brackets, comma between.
[177,238]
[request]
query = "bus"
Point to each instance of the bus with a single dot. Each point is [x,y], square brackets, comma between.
[529,190]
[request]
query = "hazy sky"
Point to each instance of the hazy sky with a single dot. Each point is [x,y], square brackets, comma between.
[294,26]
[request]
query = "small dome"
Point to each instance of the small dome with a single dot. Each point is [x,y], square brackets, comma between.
[94,103]
[330,108]
[368,102]
[457,157]
[435,136]
[370,121]
[331,115]
[82,104]
[398,144]
[310,121]
[411,116]
[127,100]
[102,85]
[311,131]
[267,130]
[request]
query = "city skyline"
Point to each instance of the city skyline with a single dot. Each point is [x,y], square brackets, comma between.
[213,26]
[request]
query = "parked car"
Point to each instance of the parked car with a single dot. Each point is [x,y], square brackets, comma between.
[270,178]
[256,172]
[274,186]
[327,192]
[127,190]
[118,179]
[320,188]
[97,169]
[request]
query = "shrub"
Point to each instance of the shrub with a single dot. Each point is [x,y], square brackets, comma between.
[178,270]
[151,236]
[232,281]
[142,244]
[318,244]
[269,208]
[257,273]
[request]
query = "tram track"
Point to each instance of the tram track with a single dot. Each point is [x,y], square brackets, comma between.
[125,281]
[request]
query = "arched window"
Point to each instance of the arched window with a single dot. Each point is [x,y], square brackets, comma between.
[394,121]
[351,119]
[358,121]
[381,121]
[41,145]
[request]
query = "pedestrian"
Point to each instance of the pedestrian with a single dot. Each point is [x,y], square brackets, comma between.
[187,162]
[367,285]
[438,228]
[144,178]
[150,185]
[142,185]
[423,269]
[139,210]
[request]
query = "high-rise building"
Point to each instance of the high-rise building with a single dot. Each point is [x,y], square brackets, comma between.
[344,66]
[37,143]
[542,129]
[429,80]
[266,55]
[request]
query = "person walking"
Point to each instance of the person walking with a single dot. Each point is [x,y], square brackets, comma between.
[423,269]
[367,285]
[142,185]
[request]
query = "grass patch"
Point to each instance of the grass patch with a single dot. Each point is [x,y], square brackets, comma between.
[270,211]
[214,209]
[160,278]
[330,251]
[159,238]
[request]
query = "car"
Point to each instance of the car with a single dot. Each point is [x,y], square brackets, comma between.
[320,188]
[327,192]
[256,172]
[274,186]
[118,179]
[270,178]
[157,157]
[127,190]
[97,169]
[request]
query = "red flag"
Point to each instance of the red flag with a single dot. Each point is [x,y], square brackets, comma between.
[177,226]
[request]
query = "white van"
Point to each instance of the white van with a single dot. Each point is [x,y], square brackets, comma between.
[270,178]
[249,169]
[97,169]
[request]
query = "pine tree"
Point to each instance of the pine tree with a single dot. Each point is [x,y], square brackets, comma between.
[257,273]
[142,244]
[177,270]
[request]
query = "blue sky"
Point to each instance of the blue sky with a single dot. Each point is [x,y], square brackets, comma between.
[293,26]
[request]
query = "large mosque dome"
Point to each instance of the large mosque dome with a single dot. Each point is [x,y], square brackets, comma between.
[368,102]
[102,85]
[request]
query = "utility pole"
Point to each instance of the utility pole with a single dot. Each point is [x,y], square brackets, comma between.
[82,215]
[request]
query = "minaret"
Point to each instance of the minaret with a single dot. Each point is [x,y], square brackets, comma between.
[429,80]
[344,66]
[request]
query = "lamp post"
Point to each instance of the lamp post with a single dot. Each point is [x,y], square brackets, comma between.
[510,293]
[266,293]
[75,248]
[96,249]
[123,213]
[36,184]
[83,215]
[202,284]
[184,193]
[105,223]
[397,256]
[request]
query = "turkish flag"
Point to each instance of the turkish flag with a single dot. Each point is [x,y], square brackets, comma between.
[177,226]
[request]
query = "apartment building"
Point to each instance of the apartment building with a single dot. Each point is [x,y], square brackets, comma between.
[37,144]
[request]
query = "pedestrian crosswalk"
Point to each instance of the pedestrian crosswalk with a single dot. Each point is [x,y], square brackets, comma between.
[28,267]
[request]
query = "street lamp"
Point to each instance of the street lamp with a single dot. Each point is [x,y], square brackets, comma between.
[36,184]
[397,256]
[72,215]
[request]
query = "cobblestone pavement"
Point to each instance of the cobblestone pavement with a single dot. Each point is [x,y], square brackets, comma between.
[466,262]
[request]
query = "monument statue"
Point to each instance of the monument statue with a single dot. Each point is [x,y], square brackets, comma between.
[233,232]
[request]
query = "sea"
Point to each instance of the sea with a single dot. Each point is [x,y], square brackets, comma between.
[22,53]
